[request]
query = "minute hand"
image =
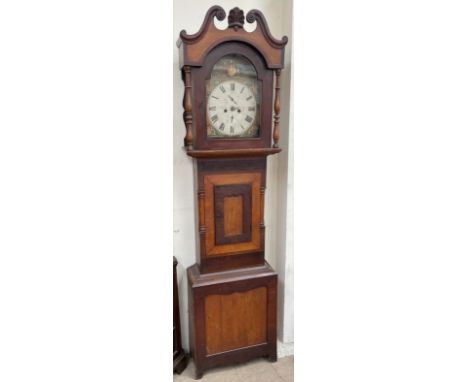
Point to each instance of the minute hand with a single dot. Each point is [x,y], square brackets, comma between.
[232,99]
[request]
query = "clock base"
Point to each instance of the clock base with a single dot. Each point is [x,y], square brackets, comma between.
[232,316]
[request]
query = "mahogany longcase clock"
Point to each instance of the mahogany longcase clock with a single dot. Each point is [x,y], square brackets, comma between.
[231,113]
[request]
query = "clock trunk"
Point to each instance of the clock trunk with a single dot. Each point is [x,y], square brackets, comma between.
[231,193]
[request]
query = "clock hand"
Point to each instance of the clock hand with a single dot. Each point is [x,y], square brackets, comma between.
[232,99]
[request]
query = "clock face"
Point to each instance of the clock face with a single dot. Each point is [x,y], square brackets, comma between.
[232,108]
[233,99]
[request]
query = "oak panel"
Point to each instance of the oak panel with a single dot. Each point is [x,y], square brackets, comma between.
[233,215]
[235,320]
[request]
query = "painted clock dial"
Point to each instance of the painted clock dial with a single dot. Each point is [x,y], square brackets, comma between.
[233,99]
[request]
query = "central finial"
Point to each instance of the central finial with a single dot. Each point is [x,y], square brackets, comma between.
[236,18]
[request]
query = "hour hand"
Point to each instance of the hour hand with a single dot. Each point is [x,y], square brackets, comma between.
[232,99]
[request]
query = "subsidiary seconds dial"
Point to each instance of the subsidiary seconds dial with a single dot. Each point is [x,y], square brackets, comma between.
[231,108]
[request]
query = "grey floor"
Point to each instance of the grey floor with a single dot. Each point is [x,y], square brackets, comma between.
[260,370]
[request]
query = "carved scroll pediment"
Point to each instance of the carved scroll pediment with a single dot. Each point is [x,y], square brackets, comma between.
[197,45]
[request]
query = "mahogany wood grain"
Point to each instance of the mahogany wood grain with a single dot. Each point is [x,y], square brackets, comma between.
[229,165]
[233,153]
[277,108]
[194,48]
[179,358]
[187,103]
[203,73]
[233,213]
[225,263]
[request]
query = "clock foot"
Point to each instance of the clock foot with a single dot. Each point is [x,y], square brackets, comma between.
[198,374]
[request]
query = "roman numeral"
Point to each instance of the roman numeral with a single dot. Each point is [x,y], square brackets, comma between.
[214,118]
[251,108]
[248,118]
[222,126]
[231,130]
[249,97]
[212,108]
[242,89]
[215,97]
[222,89]
[233,86]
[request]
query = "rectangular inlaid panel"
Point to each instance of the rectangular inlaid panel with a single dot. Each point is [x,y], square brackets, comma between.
[232,213]
[235,320]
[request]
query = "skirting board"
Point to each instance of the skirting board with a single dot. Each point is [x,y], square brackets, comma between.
[285,349]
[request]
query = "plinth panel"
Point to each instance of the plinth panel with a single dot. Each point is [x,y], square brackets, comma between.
[232,316]
[235,320]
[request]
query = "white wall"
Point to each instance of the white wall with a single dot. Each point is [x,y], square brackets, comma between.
[285,248]
[189,15]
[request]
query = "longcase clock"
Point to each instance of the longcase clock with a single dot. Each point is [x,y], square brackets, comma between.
[231,113]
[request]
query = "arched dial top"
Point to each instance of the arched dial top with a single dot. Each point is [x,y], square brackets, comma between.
[233,99]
